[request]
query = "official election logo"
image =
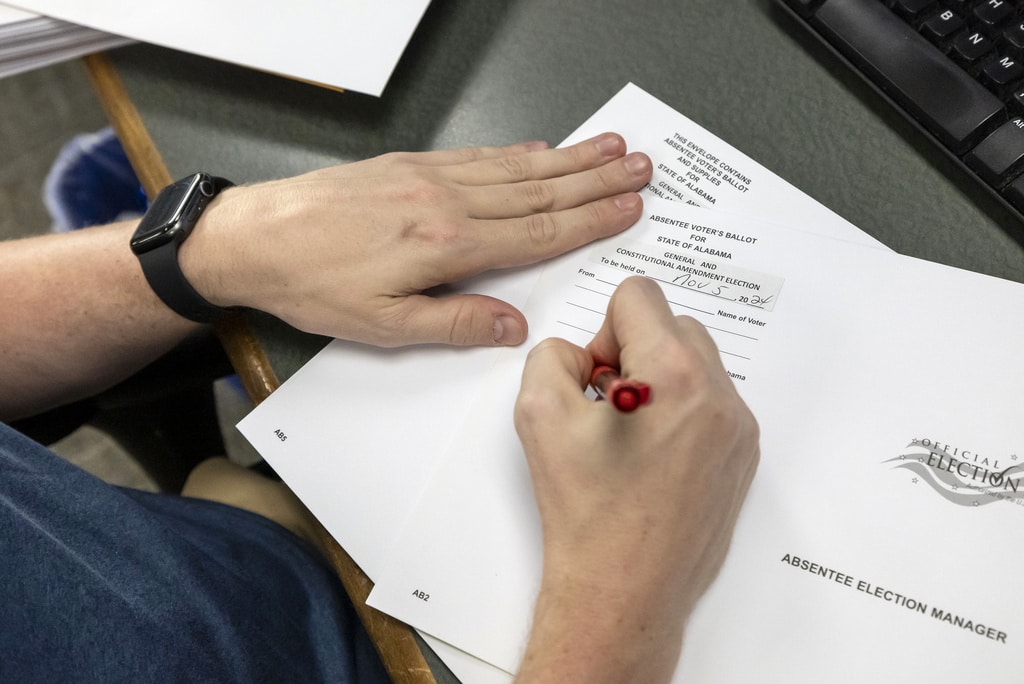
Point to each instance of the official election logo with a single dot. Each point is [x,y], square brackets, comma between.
[963,477]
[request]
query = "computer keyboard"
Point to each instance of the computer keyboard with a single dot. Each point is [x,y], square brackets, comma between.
[954,67]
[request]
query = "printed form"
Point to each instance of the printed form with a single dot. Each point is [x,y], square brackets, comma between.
[875,544]
[359,466]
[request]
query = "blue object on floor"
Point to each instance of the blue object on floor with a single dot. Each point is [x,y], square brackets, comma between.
[92,183]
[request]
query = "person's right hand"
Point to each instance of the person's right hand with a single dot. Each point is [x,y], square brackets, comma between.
[637,509]
[352,251]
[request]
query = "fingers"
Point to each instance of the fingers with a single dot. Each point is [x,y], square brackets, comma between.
[518,162]
[468,155]
[636,308]
[545,203]
[524,181]
[554,376]
[638,316]
[515,167]
[515,185]
[527,240]
[559,366]
[375,166]
[572,196]
[499,201]
[460,320]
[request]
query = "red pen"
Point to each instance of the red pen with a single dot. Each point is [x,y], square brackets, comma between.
[625,395]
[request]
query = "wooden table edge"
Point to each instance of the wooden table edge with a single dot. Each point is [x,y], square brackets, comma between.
[394,640]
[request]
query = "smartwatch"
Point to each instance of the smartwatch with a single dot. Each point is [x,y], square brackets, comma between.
[167,223]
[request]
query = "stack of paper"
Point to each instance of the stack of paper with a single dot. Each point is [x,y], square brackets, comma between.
[353,45]
[29,41]
[873,546]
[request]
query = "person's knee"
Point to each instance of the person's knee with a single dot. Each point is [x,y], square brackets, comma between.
[218,479]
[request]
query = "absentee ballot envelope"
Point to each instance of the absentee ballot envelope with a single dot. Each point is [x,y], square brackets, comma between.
[357,431]
[880,538]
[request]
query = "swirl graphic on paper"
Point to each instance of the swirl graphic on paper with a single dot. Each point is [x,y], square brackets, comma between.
[962,478]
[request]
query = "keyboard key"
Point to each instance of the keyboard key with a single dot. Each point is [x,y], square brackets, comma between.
[1000,154]
[916,74]
[1013,39]
[970,47]
[992,14]
[1001,75]
[941,27]
[912,10]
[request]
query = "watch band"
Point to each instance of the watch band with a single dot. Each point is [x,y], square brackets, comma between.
[169,221]
[163,272]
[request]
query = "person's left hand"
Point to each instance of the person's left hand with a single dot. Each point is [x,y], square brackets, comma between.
[350,251]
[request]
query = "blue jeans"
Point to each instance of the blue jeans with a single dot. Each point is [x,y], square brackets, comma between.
[104,584]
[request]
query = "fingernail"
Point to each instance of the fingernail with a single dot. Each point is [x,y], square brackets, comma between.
[637,163]
[508,330]
[536,145]
[627,202]
[608,145]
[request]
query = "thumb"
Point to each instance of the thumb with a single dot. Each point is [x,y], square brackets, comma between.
[462,320]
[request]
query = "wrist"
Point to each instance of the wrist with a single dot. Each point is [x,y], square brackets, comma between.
[158,238]
[209,257]
[234,257]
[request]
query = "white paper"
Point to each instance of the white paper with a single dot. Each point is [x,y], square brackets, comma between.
[353,45]
[860,353]
[357,431]
[466,668]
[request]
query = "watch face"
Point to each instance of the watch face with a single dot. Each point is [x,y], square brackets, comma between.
[172,214]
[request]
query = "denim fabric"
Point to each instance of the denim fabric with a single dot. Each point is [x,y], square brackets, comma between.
[103,584]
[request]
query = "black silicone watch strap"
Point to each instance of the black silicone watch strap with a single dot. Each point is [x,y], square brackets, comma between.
[161,269]
[163,272]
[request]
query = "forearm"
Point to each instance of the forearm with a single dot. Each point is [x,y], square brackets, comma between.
[78,316]
[588,634]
